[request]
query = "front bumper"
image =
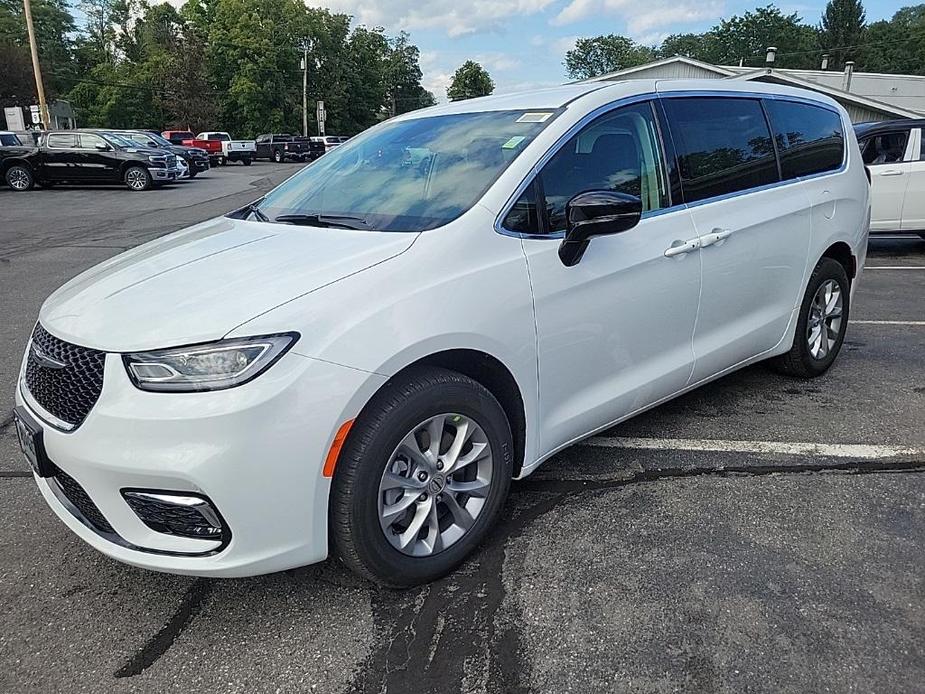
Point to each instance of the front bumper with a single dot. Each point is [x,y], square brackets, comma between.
[255,451]
[164,174]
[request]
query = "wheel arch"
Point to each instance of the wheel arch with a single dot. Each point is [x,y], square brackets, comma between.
[7,164]
[490,372]
[841,253]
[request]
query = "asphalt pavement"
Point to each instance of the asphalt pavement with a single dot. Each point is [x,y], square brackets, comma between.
[760,534]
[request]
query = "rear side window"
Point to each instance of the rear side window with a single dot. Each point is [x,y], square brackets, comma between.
[62,141]
[886,148]
[723,145]
[9,140]
[810,139]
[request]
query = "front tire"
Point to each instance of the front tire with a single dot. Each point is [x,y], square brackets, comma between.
[822,323]
[137,178]
[422,478]
[19,178]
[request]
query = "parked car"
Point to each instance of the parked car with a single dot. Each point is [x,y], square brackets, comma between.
[177,137]
[195,159]
[9,139]
[368,354]
[895,156]
[280,147]
[329,141]
[222,148]
[85,156]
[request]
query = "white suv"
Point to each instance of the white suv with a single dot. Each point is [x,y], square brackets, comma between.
[895,155]
[362,361]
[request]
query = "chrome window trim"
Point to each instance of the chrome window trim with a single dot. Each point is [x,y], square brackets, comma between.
[650,96]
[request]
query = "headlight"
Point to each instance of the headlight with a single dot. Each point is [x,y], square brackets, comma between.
[211,366]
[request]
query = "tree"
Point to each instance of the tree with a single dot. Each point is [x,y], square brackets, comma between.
[470,80]
[842,30]
[602,54]
[403,77]
[748,36]
[897,45]
[687,45]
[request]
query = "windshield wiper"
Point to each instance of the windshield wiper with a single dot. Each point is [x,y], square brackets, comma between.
[323,220]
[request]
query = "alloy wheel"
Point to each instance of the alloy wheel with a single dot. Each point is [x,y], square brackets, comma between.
[435,485]
[18,179]
[137,179]
[825,318]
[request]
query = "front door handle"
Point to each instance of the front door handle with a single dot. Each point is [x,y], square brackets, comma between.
[891,172]
[682,247]
[715,236]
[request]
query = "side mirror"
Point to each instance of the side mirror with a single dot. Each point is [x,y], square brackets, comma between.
[596,213]
[101,147]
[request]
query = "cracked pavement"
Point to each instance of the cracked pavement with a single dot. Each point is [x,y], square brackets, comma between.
[614,569]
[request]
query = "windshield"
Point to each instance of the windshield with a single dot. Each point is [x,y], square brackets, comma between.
[410,175]
[142,139]
[9,140]
[123,141]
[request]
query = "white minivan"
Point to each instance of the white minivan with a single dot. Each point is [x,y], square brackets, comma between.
[360,362]
[895,156]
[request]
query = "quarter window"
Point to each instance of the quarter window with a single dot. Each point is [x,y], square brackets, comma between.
[89,141]
[810,139]
[618,152]
[723,145]
[62,141]
[887,148]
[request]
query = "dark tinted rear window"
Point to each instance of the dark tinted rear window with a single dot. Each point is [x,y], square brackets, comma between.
[723,145]
[810,139]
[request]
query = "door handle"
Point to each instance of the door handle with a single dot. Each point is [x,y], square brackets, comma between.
[682,247]
[891,172]
[715,236]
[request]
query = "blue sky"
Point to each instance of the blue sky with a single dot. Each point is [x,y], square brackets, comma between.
[522,43]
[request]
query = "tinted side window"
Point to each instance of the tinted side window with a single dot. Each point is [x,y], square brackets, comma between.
[61,141]
[723,145]
[90,141]
[886,148]
[620,151]
[810,139]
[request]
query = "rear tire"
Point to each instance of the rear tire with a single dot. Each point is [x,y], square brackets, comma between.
[451,520]
[19,178]
[246,162]
[822,323]
[137,178]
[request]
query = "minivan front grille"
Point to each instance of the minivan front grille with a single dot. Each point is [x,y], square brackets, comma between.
[65,379]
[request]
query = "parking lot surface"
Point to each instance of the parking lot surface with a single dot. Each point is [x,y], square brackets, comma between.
[759,534]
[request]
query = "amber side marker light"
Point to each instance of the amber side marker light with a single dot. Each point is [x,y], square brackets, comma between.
[331,461]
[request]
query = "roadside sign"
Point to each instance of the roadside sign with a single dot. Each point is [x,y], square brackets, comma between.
[14,119]
[36,114]
[320,114]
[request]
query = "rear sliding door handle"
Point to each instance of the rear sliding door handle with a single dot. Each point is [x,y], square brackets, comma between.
[682,247]
[715,236]
[891,172]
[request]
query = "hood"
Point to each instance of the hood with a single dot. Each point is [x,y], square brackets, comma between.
[180,149]
[198,284]
[149,151]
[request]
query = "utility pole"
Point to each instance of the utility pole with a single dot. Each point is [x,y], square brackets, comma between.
[304,90]
[39,87]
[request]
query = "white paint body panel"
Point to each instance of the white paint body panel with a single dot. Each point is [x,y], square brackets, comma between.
[625,329]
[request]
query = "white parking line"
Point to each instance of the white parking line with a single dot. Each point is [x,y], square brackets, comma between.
[894,267]
[822,450]
[887,322]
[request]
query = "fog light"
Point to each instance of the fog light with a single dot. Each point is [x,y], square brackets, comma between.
[185,515]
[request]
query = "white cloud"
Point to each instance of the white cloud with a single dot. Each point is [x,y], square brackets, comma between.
[564,44]
[641,19]
[450,16]
[497,62]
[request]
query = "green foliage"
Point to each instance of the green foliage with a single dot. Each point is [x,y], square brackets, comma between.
[214,64]
[602,54]
[470,80]
[841,29]
[897,45]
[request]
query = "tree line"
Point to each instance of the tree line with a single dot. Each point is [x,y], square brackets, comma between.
[896,45]
[213,64]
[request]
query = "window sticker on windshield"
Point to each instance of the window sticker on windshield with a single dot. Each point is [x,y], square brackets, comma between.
[534,117]
[513,142]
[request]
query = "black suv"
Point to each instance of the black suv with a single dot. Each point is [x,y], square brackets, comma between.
[196,159]
[280,147]
[85,156]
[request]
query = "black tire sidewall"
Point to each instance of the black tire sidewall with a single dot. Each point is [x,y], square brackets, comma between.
[370,449]
[827,269]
